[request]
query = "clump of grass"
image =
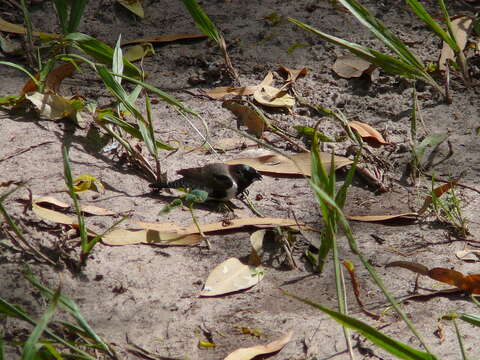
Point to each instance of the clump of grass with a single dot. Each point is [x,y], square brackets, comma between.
[46,343]
[405,63]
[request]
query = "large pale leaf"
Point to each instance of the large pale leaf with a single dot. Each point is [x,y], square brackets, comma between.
[278,164]
[52,106]
[461,28]
[230,276]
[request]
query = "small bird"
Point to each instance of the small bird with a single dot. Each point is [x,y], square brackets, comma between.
[222,182]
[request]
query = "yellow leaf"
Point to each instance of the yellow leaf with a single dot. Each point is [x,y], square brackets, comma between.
[135,6]
[87,182]
[410,216]
[6,26]
[52,106]
[138,52]
[52,215]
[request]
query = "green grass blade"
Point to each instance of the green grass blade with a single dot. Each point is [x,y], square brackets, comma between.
[31,346]
[202,20]
[109,117]
[382,32]
[387,62]
[118,92]
[420,11]
[21,68]
[394,347]
[61,7]
[69,305]
[67,171]
[99,51]
[117,61]
[151,144]
[76,13]
[14,311]
[470,318]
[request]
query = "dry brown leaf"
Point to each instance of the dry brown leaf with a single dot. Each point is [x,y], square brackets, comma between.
[468,283]
[219,226]
[351,66]
[251,352]
[278,164]
[231,276]
[95,210]
[292,74]
[439,191]
[165,38]
[410,216]
[246,116]
[53,79]
[461,28]
[368,133]
[222,91]
[50,200]
[130,237]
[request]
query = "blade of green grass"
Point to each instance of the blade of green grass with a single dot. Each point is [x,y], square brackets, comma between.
[61,7]
[382,32]
[14,311]
[420,11]
[202,20]
[470,318]
[387,62]
[76,13]
[31,346]
[67,171]
[99,51]
[394,347]
[70,306]
[21,68]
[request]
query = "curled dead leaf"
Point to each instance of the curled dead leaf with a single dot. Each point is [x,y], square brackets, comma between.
[52,106]
[247,117]
[368,133]
[351,66]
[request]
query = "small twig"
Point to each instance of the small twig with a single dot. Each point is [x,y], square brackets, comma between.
[21,151]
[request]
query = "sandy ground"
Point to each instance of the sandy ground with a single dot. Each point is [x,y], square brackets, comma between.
[148,295]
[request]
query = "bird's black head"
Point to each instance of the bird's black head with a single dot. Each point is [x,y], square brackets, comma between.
[244,175]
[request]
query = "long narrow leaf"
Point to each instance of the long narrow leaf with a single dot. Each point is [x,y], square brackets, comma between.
[69,305]
[394,347]
[99,51]
[387,62]
[202,20]
[14,311]
[62,12]
[420,11]
[21,68]
[76,12]
[31,346]
[382,32]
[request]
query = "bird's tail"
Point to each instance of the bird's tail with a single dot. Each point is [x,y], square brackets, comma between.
[179,183]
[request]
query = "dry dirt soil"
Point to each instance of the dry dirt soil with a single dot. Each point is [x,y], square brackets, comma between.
[148,295]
